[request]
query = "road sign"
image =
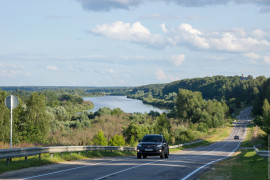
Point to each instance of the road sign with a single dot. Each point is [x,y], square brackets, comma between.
[11,102]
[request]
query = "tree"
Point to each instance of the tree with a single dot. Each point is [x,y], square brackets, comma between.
[266,117]
[187,103]
[99,139]
[35,124]
[4,118]
[135,132]
[117,140]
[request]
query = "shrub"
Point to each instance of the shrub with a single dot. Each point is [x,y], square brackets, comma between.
[117,140]
[99,139]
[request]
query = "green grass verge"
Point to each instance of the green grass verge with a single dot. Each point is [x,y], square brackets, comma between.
[250,139]
[32,161]
[214,135]
[246,164]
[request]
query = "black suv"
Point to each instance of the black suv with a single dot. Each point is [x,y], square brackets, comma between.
[153,145]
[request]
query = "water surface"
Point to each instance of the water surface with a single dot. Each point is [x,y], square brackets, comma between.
[126,104]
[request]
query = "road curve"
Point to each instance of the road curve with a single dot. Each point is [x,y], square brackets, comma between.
[186,164]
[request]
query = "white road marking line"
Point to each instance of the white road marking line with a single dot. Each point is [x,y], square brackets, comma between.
[193,172]
[118,172]
[55,172]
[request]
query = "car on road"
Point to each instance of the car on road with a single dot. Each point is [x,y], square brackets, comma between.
[236,137]
[153,145]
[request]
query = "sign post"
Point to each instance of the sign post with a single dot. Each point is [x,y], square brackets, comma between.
[11,102]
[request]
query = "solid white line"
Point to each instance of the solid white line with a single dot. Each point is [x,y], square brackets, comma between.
[55,172]
[127,169]
[190,174]
[210,163]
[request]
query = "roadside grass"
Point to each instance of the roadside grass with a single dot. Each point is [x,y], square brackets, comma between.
[245,164]
[252,138]
[219,134]
[214,135]
[33,161]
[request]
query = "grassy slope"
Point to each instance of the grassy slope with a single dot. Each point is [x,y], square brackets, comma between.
[217,134]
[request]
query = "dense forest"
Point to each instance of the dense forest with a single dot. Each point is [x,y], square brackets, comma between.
[58,116]
[232,89]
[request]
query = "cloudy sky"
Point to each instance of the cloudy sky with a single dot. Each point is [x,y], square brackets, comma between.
[131,42]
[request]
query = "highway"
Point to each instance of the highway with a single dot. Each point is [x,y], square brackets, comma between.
[186,164]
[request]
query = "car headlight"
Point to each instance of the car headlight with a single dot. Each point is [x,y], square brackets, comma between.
[139,146]
[159,146]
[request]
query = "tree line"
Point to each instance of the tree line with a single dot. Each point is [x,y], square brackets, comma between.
[51,116]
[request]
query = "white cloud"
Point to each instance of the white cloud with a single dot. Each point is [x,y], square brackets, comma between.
[235,40]
[111,71]
[135,32]
[216,58]
[259,33]
[164,29]
[252,55]
[186,35]
[231,43]
[2,65]
[52,68]
[178,59]
[160,74]
[266,59]
[13,73]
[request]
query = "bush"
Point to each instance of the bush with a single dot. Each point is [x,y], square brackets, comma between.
[202,127]
[116,112]
[117,140]
[99,139]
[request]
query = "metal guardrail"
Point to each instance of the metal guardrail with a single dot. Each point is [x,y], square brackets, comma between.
[262,153]
[25,152]
[33,151]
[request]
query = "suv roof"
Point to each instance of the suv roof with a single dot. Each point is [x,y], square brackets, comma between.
[153,138]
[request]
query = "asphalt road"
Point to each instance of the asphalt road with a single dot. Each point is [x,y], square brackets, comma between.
[187,164]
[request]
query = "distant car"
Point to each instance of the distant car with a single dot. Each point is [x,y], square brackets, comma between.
[236,137]
[153,145]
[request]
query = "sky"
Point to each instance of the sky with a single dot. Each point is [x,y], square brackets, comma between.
[131,42]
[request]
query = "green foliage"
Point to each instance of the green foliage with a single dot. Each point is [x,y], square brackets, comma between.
[266,117]
[192,108]
[117,140]
[4,118]
[202,127]
[231,89]
[117,112]
[105,111]
[163,126]
[71,98]
[188,103]
[35,123]
[134,132]
[184,136]
[99,139]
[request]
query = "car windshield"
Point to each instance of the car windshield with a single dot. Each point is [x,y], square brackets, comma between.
[152,139]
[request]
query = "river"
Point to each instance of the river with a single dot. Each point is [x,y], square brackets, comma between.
[126,104]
